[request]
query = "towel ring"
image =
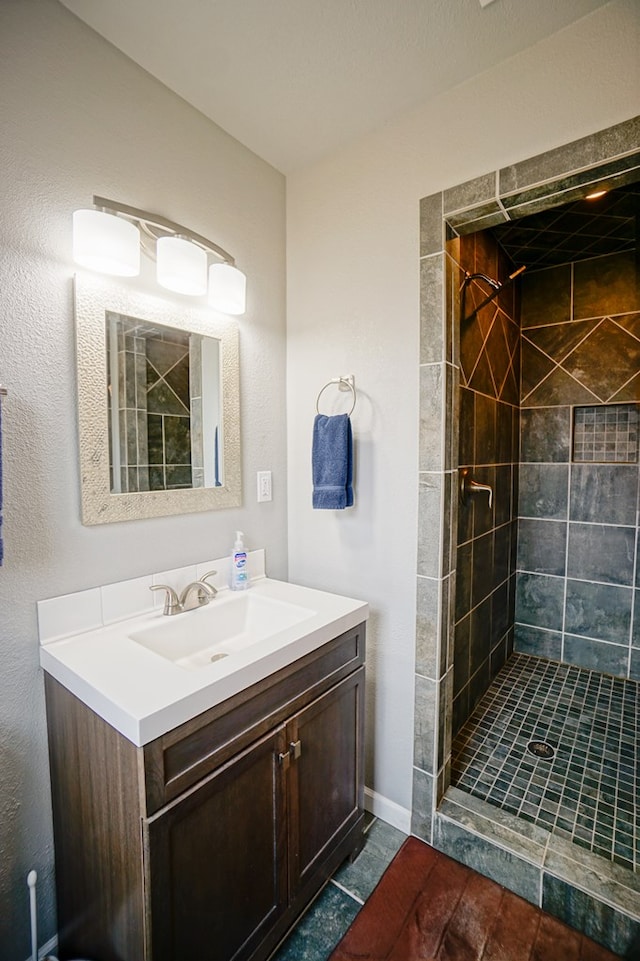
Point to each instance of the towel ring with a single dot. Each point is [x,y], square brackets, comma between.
[338,380]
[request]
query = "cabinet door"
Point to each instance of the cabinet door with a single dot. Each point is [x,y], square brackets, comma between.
[326,775]
[217,860]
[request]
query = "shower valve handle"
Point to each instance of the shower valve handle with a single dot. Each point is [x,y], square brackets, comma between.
[469,486]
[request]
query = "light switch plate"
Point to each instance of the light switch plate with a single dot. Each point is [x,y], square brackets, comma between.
[264,485]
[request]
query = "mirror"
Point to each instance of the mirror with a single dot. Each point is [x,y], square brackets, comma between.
[158,404]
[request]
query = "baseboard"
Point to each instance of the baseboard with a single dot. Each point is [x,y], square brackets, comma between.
[394,814]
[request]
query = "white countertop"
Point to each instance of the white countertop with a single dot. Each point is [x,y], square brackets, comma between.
[143,695]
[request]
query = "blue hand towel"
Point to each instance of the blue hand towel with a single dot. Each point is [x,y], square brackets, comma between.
[332,462]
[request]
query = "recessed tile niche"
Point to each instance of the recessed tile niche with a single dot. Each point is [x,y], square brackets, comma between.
[606,435]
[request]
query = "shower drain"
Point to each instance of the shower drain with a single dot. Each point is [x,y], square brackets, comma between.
[541,749]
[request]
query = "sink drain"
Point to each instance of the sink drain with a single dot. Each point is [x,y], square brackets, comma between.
[541,749]
[218,657]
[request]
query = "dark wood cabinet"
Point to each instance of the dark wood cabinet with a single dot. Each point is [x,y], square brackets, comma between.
[210,841]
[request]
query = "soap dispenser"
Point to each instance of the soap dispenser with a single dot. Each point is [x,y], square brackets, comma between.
[239,573]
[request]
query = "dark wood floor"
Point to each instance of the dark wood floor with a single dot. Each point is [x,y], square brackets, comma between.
[428,907]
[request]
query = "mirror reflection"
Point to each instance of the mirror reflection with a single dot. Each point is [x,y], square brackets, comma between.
[158,405]
[165,431]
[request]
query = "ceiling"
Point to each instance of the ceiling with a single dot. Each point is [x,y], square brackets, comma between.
[575,231]
[294,80]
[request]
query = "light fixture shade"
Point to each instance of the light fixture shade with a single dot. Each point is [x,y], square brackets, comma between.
[106,243]
[227,289]
[181,266]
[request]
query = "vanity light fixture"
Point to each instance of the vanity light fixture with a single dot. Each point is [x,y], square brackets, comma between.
[108,238]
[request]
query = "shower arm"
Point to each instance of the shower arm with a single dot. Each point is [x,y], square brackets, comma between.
[497,287]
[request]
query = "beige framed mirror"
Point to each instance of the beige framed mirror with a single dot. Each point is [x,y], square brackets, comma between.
[158,405]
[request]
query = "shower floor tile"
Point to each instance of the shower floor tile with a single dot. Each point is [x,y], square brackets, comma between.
[589,791]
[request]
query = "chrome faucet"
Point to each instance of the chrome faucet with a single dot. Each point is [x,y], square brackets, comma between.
[196,594]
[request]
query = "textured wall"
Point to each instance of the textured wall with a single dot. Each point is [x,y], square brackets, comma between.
[78,118]
[577,532]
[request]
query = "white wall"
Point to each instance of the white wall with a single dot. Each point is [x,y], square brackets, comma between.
[352,306]
[78,118]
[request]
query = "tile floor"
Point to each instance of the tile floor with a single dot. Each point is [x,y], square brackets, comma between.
[588,791]
[328,918]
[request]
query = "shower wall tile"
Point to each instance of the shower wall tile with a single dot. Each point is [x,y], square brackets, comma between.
[543,491]
[581,154]
[431,310]
[431,411]
[452,415]
[606,286]
[463,579]
[583,911]
[542,546]
[535,640]
[503,492]
[598,552]
[482,574]
[470,194]
[635,635]
[467,427]
[501,553]
[621,350]
[426,701]
[429,521]
[545,434]
[546,296]
[500,620]
[596,655]
[557,341]
[468,846]
[488,446]
[540,601]
[602,611]
[485,430]
[427,626]
[446,528]
[604,493]
[480,635]
[431,225]
[506,452]
[574,316]
[422,805]
[634,667]
[461,709]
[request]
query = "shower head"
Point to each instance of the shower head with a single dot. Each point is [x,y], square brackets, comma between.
[497,286]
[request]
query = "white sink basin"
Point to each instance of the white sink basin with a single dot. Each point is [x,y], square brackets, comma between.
[227,625]
[149,673]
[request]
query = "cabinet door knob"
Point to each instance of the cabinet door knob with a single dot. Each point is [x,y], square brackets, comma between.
[295,749]
[284,760]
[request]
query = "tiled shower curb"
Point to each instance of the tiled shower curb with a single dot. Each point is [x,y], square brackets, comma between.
[585,891]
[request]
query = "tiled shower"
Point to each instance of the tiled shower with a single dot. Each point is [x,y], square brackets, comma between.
[550,570]
[560,833]
[550,733]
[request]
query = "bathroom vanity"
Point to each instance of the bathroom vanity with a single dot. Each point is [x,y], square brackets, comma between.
[209,840]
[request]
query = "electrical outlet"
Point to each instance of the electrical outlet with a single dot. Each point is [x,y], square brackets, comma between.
[264,485]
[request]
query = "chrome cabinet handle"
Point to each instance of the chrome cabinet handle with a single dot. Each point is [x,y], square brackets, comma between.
[469,486]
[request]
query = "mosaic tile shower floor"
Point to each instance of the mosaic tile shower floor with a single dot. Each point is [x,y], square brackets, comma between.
[589,791]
